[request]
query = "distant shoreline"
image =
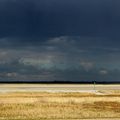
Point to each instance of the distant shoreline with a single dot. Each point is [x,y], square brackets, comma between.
[56,82]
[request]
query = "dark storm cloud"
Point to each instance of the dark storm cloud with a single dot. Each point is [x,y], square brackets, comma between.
[55,18]
[28,20]
[59,40]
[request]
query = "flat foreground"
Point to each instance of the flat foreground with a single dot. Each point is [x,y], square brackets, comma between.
[55,87]
[60,105]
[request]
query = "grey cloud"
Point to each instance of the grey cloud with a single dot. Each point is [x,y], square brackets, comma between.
[58,48]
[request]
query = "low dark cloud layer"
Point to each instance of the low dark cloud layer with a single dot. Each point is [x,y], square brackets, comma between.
[61,58]
[75,40]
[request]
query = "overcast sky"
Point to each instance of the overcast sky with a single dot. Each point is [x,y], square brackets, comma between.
[64,40]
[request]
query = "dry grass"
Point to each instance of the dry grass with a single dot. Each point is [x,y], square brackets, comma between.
[50,106]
